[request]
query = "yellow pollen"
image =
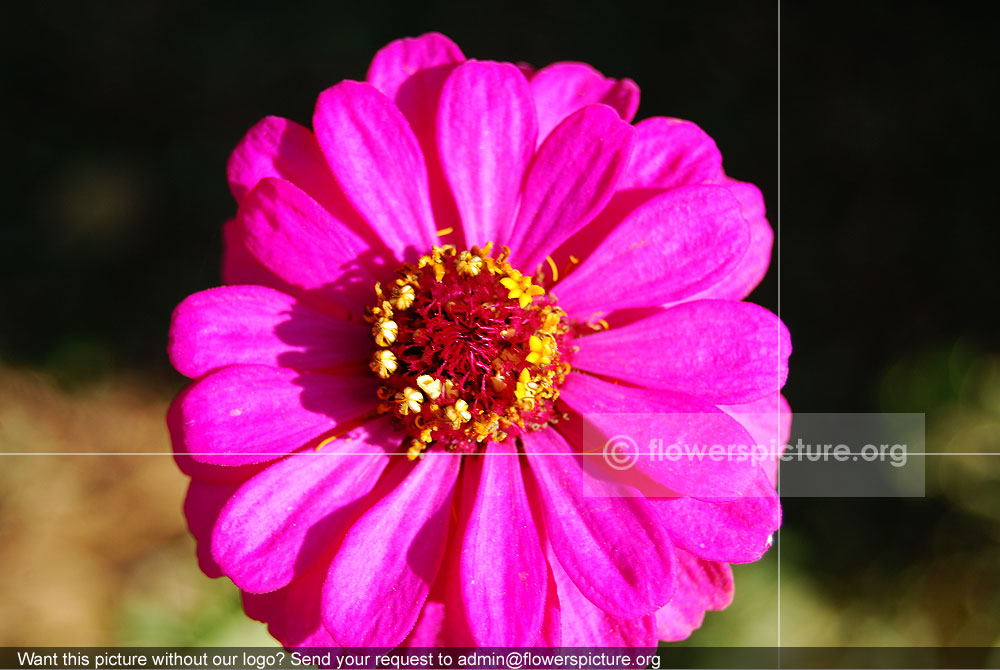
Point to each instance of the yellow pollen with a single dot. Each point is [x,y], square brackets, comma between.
[430,386]
[383,363]
[415,450]
[458,413]
[403,296]
[409,400]
[469,264]
[525,389]
[445,231]
[385,332]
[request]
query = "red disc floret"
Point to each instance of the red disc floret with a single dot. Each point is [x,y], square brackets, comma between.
[470,350]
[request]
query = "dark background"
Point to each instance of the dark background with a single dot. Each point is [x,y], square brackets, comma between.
[118,119]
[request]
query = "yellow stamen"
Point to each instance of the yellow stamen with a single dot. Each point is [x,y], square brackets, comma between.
[511,284]
[430,386]
[403,296]
[445,231]
[520,288]
[458,413]
[328,440]
[385,332]
[383,363]
[409,400]
[525,389]
[469,264]
[540,351]
[415,450]
[552,266]
[530,294]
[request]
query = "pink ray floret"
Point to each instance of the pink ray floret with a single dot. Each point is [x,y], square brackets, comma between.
[436,302]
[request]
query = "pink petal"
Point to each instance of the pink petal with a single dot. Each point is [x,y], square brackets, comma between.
[586,625]
[401,59]
[280,521]
[375,157]
[411,73]
[563,88]
[732,532]
[608,542]
[502,572]
[203,472]
[486,138]
[280,148]
[670,153]
[277,147]
[641,416]
[448,586]
[654,168]
[552,626]
[701,586]
[253,413]
[303,617]
[267,608]
[726,352]
[382,574]
[253,324]
[240,267]
[570,180]
[769,421]
[262,607]
[202,506]
[300,242]
[667,249]
[751,269]
[430,627]
[582,245]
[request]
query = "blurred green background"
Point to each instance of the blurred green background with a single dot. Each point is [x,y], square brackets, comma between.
[119,118]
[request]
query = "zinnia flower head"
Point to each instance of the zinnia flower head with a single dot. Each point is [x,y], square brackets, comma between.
[427,296]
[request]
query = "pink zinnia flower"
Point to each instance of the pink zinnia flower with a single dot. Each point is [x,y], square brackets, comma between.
[423,296]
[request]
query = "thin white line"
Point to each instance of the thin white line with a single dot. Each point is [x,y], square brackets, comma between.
[693,457]
[310,452]
[916,453]
[777,236]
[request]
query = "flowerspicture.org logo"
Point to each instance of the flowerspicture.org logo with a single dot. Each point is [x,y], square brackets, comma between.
[423,295]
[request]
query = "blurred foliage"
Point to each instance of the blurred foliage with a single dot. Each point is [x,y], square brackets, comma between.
[94,547]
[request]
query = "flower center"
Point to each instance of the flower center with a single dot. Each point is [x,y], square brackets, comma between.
[469,348]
